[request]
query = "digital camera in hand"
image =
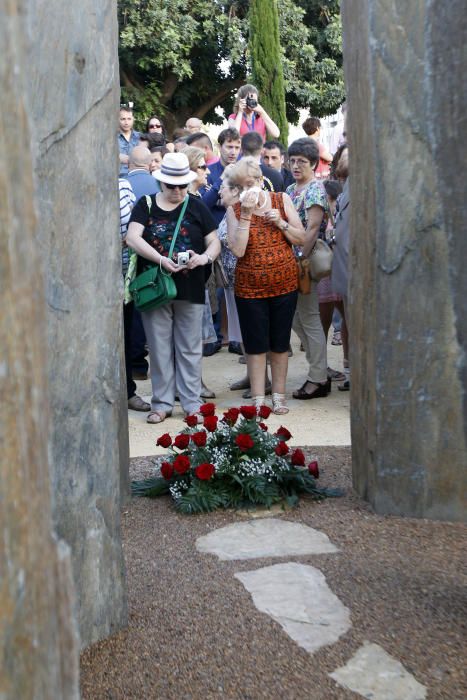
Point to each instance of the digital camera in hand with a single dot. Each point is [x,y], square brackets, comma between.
[183,258]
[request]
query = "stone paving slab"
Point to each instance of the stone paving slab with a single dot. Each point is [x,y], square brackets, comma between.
[268,537]
[299,599]
[375,675]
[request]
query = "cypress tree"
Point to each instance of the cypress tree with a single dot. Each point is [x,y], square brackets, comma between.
[266,61]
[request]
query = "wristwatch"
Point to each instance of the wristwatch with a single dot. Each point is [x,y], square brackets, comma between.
[285,227]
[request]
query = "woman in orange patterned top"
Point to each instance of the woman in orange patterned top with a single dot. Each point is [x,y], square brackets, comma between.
[261,229]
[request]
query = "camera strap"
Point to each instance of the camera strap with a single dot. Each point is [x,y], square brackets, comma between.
[250,127]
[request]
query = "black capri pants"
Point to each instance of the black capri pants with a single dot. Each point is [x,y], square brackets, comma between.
[266,324]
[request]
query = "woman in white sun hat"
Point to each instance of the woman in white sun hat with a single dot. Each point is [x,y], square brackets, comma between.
[173,331]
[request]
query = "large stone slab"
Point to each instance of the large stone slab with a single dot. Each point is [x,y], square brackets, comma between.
[39,643]
[405,65]
[299,599]
[74,97]
[267,537]
[375,675]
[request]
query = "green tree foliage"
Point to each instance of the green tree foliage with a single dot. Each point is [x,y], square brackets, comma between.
[181,58]
[266,61]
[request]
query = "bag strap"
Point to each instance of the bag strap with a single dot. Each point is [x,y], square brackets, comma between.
[177,227]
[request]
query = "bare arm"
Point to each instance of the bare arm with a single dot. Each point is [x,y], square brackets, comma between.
[213,249]
[134,239]
[238,231]
[237,122]
[271,126]
[315,217]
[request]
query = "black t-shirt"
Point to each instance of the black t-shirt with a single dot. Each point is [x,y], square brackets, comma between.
[159,226]
[272,179]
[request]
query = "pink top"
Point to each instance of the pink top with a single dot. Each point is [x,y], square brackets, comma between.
[257,124]
[324,168]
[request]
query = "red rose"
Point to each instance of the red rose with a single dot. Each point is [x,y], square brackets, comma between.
[231,415]
[313,469]
[281,449]
[248,412]
[181,464]
[244,441]
[182,441]
[264,412]
[191,421]
[210,423]
[164,441]
[263,426]
[283,433]
[298,458]
[199,438]
[167,470]
[205,471]
[207,409]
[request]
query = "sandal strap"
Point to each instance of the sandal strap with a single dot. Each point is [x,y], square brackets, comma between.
[279,404]
[259,401]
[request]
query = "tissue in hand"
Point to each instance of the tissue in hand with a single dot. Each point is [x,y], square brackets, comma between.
[255,190]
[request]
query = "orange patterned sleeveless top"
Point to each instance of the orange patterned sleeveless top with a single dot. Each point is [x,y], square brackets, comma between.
[268,268]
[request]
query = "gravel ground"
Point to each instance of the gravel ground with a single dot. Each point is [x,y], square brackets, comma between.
[194,632]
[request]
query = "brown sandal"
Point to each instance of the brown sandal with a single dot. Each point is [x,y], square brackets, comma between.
[159,415]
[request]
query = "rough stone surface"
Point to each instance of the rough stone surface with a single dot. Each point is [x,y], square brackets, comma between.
[299,599]
[405,65]
[376,675]
[73,102]
[38,638]
[266,537]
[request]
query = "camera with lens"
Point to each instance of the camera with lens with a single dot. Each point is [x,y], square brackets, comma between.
[183,258]
[251,102]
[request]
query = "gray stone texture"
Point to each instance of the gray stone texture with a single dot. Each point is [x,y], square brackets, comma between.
[267,537]
[39,643]
[375,675]
[299,599]
[405,66]
[73,104]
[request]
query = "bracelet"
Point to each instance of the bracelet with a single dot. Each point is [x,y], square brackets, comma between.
[243,218]
[208,257]
[243,228]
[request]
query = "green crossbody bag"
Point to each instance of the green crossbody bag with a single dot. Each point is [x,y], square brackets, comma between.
[154,287]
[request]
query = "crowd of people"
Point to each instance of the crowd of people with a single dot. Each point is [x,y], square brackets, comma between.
[228,222]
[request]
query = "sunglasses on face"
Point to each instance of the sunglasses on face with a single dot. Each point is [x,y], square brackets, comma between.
[175,187]
[202,167]
[155,126]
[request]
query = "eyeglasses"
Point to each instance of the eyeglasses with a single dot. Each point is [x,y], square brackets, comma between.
[202,167]
[175,187]
[298,161]
[155,126]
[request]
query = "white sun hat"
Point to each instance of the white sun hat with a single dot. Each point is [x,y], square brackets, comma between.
[175,170]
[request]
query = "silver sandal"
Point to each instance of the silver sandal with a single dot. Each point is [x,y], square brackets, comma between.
[258,401]
[279,404]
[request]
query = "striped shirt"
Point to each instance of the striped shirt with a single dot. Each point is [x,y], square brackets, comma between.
[127,200]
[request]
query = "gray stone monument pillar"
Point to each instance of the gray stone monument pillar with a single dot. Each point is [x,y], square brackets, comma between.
[405,65]
[74,99]
[39,644]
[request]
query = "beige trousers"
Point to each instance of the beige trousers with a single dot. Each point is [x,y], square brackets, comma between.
[307,325]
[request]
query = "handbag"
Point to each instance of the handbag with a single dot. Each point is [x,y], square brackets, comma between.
[321,256]
[154,287]
[320,260]
[303,275]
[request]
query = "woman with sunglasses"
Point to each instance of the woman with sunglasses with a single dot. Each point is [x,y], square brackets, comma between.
[154,125]
[197,165]
[173,331]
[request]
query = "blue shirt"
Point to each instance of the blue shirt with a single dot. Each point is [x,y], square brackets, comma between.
[142,182]
[125,147]
[210,194]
